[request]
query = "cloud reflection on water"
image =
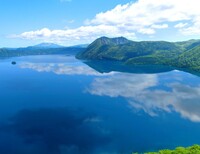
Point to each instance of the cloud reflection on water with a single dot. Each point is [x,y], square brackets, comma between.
[143,92]
[62,68]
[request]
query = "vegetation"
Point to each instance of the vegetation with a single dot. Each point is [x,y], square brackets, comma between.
[184,54]
[177,54]
[189,59]
[8,52]
[195,149]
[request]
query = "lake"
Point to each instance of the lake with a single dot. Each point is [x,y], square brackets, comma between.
[60,105]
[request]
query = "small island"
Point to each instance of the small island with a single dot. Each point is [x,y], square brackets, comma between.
[13,63]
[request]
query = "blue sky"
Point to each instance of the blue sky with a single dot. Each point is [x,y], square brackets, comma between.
[28,22]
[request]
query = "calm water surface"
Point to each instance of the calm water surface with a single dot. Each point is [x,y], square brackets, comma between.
[60,105]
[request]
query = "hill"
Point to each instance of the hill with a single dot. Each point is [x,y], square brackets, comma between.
[41,49]
[184,54]
[47,45]
[189,59]
[103,48]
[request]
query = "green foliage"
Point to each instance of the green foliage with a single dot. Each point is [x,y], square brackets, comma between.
[123,50]
[189,59]
[177,54]
[187,45]
[195,149]
[5,52]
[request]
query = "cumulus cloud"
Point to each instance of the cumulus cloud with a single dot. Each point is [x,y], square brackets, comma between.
[140,17]
[163,26]
[73,36]
[143,93]
[180,25]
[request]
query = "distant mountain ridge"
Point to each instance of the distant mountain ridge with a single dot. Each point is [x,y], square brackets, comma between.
[40,49]
[184,54]
[47,45]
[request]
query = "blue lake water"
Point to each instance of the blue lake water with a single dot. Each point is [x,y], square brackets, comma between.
[60,105]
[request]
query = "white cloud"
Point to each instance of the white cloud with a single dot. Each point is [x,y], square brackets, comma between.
[193,29]
[180,25]
[163,26]
[78,35]
[71,21]
[148,31]
[143,17]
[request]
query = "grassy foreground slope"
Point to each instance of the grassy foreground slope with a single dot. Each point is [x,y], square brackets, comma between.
[178,54]
[195,149]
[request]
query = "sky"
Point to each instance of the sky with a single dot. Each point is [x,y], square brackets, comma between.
[71,22]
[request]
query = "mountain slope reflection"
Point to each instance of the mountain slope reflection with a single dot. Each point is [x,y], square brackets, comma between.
[110,66]
[75,67]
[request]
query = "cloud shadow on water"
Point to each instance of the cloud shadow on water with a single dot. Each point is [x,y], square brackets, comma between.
[52,131]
